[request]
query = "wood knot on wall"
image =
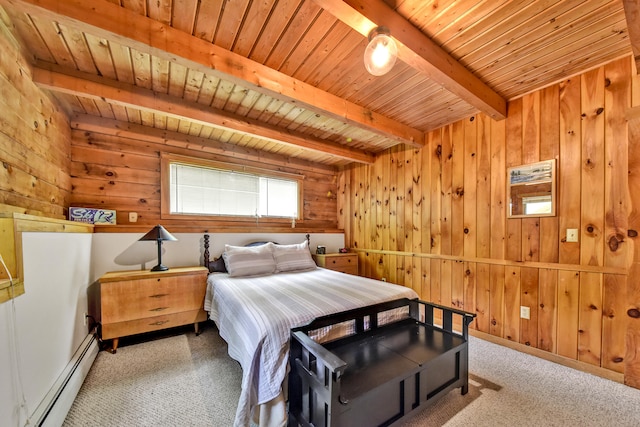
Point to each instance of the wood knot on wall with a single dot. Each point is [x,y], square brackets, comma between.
[614,241]
[591,230]
[589,164]
[634,313]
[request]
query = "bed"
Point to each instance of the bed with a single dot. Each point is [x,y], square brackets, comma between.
[256,304]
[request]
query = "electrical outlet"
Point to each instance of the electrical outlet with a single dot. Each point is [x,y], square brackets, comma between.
[572,234]
[525,312]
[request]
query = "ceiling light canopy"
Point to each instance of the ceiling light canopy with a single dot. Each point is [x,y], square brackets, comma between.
[381,52]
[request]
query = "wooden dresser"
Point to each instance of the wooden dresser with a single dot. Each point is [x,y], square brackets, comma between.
[345,263]
[133,302]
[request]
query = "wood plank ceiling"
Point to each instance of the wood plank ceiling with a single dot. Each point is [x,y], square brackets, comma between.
[287,76]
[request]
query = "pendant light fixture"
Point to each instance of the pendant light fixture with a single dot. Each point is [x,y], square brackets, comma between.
[381,52]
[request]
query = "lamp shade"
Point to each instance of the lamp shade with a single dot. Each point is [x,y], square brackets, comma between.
[159,234]
[381,52]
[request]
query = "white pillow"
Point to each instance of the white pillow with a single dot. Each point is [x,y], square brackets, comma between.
[293,257]
[249,261]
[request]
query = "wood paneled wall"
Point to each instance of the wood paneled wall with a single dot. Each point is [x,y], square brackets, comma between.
[632,372]
[34,140]
[114,172]
[435,219]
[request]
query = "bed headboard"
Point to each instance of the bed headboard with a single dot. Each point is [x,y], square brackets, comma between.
[218,263]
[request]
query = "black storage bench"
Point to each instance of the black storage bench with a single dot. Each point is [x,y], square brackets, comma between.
[380,372]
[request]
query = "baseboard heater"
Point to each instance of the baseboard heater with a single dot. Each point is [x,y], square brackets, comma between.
[53,409]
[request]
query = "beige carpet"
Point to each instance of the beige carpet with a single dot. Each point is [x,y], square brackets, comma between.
[181,380]
[188,380]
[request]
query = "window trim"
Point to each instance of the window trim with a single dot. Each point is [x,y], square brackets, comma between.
[165,175]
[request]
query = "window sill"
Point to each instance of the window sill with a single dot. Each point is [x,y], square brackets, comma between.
[195,228]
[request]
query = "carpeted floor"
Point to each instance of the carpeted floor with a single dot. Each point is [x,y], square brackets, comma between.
[161,380]
[188,380]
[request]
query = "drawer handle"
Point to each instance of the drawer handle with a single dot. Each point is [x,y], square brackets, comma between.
[158,295]
[161,322]
[159,309]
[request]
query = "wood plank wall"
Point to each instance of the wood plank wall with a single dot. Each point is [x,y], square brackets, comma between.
[435,219]
[632,372]
[34,140]
[114,172]
[47,167]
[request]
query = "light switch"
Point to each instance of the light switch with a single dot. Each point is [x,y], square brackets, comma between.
[133,216]
[525,312]
[572,234]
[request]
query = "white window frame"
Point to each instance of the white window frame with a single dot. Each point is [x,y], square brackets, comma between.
[165,188]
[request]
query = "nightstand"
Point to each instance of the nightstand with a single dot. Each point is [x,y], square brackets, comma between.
[345,263]
[133,302]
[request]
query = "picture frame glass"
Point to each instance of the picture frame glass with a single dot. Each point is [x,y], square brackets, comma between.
[531,190]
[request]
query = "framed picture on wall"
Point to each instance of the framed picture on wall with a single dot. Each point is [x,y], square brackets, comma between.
[531,190]
[93,216]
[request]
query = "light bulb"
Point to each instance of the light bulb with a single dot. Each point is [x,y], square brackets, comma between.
[381,52]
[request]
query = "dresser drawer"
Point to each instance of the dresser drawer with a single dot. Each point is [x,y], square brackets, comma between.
[137,326]
[341,261]
[134,299]
[345,263]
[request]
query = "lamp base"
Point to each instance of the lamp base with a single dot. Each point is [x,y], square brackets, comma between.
[160,267]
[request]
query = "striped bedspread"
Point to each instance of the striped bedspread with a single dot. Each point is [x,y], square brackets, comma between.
[255,316]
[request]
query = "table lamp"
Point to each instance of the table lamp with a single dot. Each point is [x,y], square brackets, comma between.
[159,234]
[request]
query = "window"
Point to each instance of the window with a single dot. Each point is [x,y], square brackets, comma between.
[199,188]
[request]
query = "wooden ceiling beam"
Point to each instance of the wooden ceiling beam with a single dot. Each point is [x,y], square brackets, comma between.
[122,129]
[632,13]
[107,20]
[93,87]
[419,51]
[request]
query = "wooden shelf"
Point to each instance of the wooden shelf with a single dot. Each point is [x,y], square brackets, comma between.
[6,293]
[12,225]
